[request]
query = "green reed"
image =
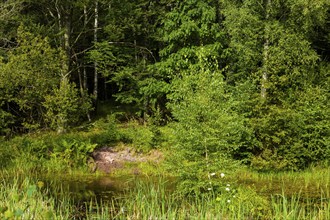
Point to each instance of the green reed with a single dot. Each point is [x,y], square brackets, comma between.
[28,198]
[24,198]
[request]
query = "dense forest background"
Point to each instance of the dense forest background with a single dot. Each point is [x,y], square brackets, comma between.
[237,80]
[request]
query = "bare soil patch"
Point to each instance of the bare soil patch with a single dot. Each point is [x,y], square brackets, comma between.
[109,159]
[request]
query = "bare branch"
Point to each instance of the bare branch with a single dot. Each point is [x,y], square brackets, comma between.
[82,52]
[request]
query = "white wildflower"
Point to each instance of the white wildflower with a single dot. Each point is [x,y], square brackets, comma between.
[227,189]
[209,189]
[222,175]
[212,174]
[228,200]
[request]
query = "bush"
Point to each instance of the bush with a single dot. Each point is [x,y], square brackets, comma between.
[64,107]
[293,135]
[208,128]
[47,151]
[72,153]
[141,137]
[105,131]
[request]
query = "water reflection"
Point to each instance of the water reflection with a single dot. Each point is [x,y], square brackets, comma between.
[86,188]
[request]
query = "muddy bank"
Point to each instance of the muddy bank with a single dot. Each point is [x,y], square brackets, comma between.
[109,159]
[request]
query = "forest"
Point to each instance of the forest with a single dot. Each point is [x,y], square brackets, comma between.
[219,88]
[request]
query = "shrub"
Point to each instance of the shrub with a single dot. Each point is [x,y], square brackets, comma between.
[105,131]
[293,135]
[73,153]
[141,137]
[208,129]
[64,107]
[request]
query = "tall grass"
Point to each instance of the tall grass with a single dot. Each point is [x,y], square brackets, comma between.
[155,201]
[296,207]
[23,198]
[310,181]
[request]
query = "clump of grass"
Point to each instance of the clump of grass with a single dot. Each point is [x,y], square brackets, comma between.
[157,200]
[26,199]
[309,181]
[297,207]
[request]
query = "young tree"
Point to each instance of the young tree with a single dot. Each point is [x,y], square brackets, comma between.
[208,129]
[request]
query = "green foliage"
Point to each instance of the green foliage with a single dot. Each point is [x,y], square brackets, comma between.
[268,107]
[64,107]
[126,50]
[25,199]
[28,74]
[208,129]
[105,56]
[31,81]
[248,199]
[48,152]
[141,137]
[106,131]
[187,29]
[189,24]
[72,153]
[267,46]
[6,119]
[295,135]
[6,154]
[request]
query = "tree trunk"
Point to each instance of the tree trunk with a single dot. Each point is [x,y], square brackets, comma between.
[84,66]
[265,74]
[84,78]
[265,69]
[64,23]
[66,43]
[95,93]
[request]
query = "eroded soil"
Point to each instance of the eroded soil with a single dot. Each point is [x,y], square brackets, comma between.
[108,159]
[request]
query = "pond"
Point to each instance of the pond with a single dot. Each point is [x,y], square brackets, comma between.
[87,187]
[105,187]
[89,193]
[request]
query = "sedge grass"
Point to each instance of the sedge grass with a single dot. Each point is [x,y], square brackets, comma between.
[154,202]
[296,207]
[310,181]
[23,198]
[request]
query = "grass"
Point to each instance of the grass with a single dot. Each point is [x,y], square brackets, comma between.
[24,197]
[296,207]
[150,200]
[310,182]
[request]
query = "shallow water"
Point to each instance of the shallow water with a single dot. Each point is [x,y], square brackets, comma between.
[290,188]
[87,187]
